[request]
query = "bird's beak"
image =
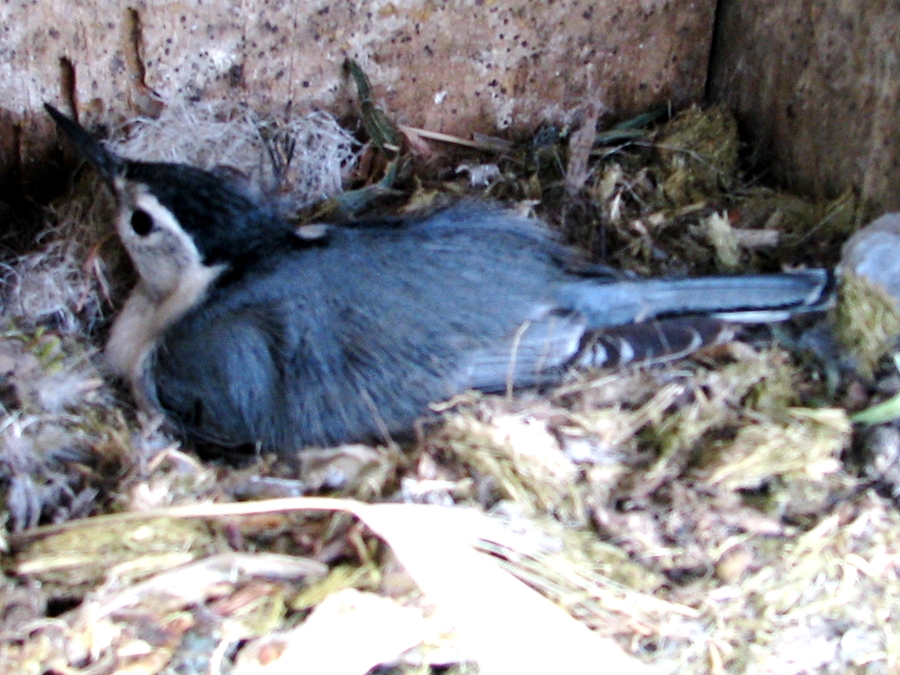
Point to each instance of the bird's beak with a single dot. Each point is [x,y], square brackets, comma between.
[107,163]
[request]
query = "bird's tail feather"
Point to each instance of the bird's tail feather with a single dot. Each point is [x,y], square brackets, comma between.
[610,324]
[654,341]
[755,298]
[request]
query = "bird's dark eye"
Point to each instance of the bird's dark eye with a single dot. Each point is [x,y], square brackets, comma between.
[141,223]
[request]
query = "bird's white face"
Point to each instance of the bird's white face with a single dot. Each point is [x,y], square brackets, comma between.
[166,258]
[173,277]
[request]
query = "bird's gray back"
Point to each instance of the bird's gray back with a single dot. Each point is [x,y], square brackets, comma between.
[356,336]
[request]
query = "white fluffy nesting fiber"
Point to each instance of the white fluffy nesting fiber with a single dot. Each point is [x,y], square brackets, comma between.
[315,153]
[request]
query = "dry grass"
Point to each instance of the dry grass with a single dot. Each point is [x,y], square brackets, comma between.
[700,514]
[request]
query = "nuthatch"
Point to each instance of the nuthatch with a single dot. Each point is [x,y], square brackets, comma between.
[244,331]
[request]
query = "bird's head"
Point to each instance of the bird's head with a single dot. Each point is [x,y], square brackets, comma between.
[177,222]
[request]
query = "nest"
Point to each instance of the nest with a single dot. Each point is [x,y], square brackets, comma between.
[699,517]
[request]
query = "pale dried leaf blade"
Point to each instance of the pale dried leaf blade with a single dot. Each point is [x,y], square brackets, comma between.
[196,581]
[349,633]
[506,626]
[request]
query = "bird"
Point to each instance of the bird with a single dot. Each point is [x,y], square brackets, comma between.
[246,330]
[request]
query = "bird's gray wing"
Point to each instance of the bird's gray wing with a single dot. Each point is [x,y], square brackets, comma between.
[608,324]
[536,354]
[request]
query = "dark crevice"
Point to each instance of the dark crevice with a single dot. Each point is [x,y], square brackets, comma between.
[141,97]
[13,163]
[13,207]
[134,47]
[68,85]
[714,52]
[59,606]
[20,209]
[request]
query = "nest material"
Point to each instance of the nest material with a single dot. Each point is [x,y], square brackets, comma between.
[700,513]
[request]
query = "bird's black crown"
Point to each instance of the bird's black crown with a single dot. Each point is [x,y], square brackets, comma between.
[225,222]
